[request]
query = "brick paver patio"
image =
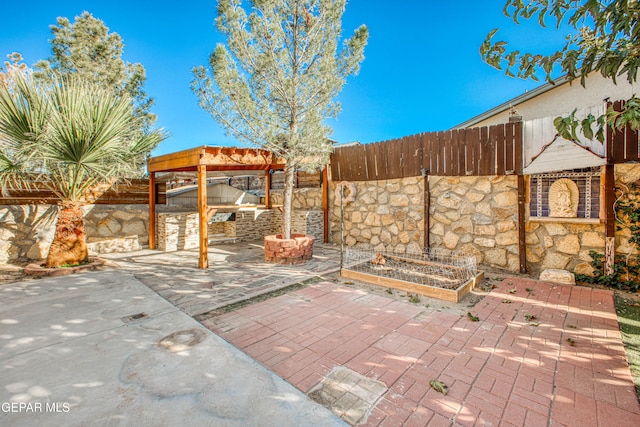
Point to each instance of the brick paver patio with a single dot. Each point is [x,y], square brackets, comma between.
[561,364]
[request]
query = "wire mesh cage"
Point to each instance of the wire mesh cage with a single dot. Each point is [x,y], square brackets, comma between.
[433,267]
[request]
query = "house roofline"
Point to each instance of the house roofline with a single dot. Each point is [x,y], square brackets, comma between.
[513,102]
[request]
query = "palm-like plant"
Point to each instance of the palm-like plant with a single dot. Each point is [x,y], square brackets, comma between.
[69,137]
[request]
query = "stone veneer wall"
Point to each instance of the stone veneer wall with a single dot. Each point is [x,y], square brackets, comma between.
[478,216]
[26,231]
[179,230]
[625,176]
[474,215]
[385,215]
[304,199]
[255,224]
[565,245]
[562,245]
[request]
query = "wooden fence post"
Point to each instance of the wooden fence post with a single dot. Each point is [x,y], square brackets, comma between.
[522,195]
[427,207]
[325,202]
[609,218]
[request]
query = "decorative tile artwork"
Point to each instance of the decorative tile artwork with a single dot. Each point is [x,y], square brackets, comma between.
[569,194]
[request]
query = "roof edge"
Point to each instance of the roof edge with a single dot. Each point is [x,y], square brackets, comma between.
[513,102]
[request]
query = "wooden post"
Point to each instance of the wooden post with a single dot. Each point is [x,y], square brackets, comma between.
[325,202]
[427,208]
[522,236]
[518,163]
[609,218]
[152,210]
[267,189]
[613,146]
[202,214]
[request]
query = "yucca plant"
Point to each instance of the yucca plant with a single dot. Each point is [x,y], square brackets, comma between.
[69,136]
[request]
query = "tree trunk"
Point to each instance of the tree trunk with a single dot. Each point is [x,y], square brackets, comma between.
[69,246]
[289,182]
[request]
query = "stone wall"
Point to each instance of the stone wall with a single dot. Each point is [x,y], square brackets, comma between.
[308,222]
[385,215]
[180,230]
[565,245]
[255,224]
[473,215]
[626,175]
[478,216]
[26,231]
[562,245]
[304,199]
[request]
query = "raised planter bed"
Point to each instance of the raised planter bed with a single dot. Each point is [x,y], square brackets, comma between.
[445,277]
[296,250]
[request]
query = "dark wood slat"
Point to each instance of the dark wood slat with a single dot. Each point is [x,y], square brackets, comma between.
[617,141]
[485,155]
[498,132]
[509,149]
[433,152]
[335,163]
[522,241]
[455,152]
[447,158]
[472,151]
[517,148]
[631,145]
[460,168]
[424,150]
[393,158]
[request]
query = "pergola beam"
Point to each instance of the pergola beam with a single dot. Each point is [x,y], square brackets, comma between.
[201,160]
[202,216]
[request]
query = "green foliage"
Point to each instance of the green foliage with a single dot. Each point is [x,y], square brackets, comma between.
[85,48]
[626,268]
[275,81]
[414,299]
[605,39]
[439,386]
[624,276]
[628,311]
[69,135]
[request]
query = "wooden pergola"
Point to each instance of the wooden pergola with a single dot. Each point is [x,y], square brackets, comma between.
[201,160]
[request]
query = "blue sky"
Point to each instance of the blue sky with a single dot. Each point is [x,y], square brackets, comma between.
[422,70]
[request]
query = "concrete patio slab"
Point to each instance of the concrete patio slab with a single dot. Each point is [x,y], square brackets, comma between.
[236,272]
[103,349]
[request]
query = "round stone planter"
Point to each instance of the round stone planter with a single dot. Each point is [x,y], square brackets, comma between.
[39,270]
[296,250]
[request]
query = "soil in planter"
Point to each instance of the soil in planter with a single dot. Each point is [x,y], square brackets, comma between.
[441,276]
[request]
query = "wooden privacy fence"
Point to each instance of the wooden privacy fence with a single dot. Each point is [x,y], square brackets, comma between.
[495,150]
[134,192]
[622,146]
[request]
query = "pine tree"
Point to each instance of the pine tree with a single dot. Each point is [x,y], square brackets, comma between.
[276,80]
[87,49]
